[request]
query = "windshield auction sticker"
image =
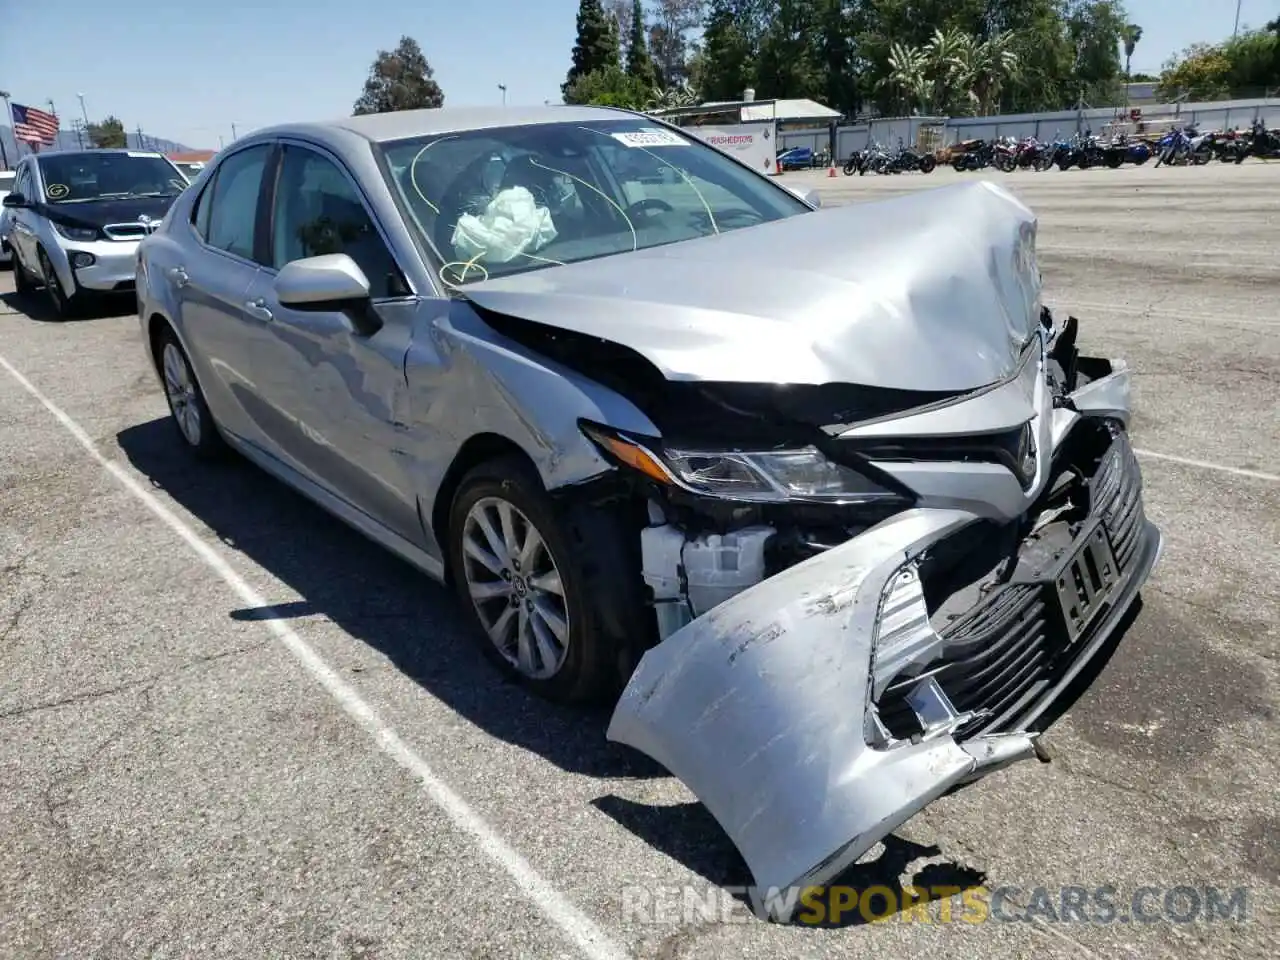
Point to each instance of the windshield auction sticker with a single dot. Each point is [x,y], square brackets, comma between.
[56,191]
[650,137]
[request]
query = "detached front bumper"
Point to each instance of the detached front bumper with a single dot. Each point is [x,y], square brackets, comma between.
[769,707]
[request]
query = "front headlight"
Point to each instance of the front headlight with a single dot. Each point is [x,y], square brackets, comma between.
[766,476]
[83,234]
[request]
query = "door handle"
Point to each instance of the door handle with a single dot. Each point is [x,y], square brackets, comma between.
[179,276]
[258,309]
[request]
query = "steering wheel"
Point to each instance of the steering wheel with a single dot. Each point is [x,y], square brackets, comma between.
[649,205]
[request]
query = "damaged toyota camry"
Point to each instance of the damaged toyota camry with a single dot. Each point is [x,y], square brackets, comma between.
[828,495]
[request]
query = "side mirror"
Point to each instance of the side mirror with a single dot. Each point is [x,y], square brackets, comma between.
[332,283]
[15,200]
[810,196]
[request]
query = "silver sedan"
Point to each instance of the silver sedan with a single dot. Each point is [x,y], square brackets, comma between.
[828,495]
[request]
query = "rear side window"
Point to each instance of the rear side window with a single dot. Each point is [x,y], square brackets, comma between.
[232,199]
[200,216]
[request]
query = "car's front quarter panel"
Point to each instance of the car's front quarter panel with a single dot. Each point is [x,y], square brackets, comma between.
[466,380]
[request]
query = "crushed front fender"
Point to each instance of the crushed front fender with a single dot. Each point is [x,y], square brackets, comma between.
[760,707]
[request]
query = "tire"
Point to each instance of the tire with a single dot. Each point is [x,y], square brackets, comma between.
[1114,160]
[65,305]
[927,163]
[599,602]
[849,168]
[22,284]
[191,416]
[1201,157]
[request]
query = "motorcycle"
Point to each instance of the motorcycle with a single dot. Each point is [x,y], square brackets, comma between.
[1184,146]
[980,154]
[854,163]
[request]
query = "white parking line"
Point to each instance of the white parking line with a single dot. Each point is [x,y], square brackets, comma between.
[576,926]
[1206,465]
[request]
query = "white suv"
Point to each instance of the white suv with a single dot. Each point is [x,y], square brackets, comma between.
[75,218]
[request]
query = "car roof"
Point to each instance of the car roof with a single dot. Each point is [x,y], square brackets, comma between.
[403,124]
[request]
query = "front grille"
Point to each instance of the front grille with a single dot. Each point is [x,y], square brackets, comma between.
[1013,646]
[129,231]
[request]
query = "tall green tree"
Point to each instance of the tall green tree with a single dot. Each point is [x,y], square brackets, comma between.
[109,134]
[1096,29]
[400,79]
[788,65]
[730,45]
[669,46]
[639,63]
[596,47]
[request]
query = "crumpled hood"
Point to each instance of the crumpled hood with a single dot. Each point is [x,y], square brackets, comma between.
[935,290]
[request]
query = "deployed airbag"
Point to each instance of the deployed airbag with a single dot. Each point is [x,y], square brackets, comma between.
[511,225]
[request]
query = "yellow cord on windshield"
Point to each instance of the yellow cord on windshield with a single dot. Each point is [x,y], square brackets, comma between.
[635,240]
[413,173]
[701,199]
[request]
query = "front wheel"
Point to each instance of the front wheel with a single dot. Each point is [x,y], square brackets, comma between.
[65,305]
[540,584]
[849,168]
[927,163]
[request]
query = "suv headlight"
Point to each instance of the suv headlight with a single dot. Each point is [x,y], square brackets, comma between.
[764,476]
[76,233]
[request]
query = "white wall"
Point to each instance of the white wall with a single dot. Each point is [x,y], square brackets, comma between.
[1222,115]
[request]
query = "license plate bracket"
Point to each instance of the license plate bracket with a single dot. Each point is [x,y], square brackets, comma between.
[1085,581]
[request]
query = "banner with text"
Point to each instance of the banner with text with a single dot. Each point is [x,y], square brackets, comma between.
[754,144]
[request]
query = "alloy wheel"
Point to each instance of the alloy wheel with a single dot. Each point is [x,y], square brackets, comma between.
[180,388]
[516,588]
[52,284]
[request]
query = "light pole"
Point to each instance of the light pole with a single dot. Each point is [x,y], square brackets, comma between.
[1236,29]
[234,137]
[83,111]
[8,119]
[503,88]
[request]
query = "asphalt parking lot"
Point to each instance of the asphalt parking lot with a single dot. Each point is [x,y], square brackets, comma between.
[231,727]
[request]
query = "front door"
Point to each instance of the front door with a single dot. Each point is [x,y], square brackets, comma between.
[338,398]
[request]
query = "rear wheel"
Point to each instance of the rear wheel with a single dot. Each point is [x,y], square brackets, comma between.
[927,163]
[186,400]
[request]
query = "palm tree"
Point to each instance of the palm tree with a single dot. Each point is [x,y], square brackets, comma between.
[994,62]
[907,66]
[1132,34]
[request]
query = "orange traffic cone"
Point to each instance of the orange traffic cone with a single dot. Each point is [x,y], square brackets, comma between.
[831,171]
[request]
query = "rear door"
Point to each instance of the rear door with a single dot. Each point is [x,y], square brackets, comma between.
[212,278]
[337,398]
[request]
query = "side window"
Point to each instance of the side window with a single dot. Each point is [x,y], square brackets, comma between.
[200,215]
[233,208]
[318,211]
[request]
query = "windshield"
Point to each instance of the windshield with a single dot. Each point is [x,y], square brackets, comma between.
[496,202]
[77,177]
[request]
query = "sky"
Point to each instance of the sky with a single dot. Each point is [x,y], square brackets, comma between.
[193,71]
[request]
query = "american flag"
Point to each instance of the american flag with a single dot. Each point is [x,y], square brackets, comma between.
[34,126]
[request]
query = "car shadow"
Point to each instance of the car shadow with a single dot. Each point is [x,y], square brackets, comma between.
[375,598]
[36,306]
[688,833]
